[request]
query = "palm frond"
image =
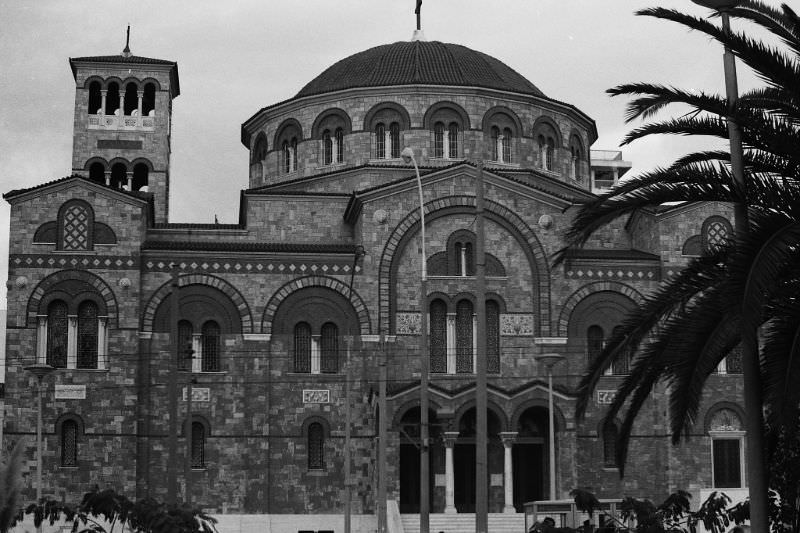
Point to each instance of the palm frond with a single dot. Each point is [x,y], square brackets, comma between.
[708,126]
[656,97]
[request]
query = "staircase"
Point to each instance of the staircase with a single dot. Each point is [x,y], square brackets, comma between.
[465,523]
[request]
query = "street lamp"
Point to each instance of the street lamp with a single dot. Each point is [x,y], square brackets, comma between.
[40,370]
[549,360]
[424,488]
[754,419]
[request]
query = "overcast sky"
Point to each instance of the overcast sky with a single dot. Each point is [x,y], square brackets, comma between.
[237,57]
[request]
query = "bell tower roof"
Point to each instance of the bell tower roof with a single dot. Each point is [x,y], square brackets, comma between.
[127,61]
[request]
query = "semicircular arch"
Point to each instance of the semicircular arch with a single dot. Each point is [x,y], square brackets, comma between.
[445,105]
[591,288]
[337,113]
[84,278]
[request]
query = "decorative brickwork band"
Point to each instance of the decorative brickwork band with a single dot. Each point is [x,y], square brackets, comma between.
[220,284]
[408,227]
[52,280]
[362,313]
[586,290]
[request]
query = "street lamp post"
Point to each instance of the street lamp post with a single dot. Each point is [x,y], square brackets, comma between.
[549,360]
[40,370]
[754,418]
[424,468]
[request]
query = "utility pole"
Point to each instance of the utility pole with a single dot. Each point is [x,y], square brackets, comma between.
[382,436]
[187,497]
[481,438]
[172,386]
[347,430]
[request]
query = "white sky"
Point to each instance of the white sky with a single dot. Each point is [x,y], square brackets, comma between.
[236,57]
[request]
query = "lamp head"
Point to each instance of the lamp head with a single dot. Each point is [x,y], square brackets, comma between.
[549,359]
[407,155]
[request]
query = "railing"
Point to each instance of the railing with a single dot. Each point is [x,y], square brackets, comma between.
[115,122]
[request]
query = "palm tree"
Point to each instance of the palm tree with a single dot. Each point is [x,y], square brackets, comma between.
[10,484]
[684,329]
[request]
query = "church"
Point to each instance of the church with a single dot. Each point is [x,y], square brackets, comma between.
[265,355]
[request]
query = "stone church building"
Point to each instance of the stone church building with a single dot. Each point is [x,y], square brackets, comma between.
[318,285]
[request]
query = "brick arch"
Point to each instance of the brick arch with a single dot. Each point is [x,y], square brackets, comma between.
[362,313]
[52,280]
[443,206]
[401,410]
[163,292]
[491,405]
[559,420]
[586,290]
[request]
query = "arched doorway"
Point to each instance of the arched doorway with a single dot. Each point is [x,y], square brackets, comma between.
[409,458]
[529,456]
[464,460]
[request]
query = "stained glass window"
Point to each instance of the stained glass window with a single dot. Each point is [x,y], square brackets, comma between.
[394,134]
[622,365]
[495,138]
[329,360]
[380,141]
[464,336]
[87,335]
[302,347]
[492,337]
[69,443]
[75,228]
[594,342]
[211,342]
[727,463]
[339,145]
[438,337]
[327,148]
[438,140]
[198,445]
[610,445]
[185,332]
[57,328]
[316,447]
[716,231]
[452,140]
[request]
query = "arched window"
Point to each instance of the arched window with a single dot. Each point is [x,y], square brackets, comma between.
[716,231]
[438,340]
[286,158]
[119,176]
[507,137]
[464,346]
[575,161]
[149,100]
[394,139]
[380,141]
[140,176]
[329,360]
[438,140]
[198,445]
[339,135]
[610,445]
[594,342]
[452,140]
[57,329]
[726,432]
[492,336]
[622,365]
[87,335]
[112,98]
[131,98]
[496,151]
[210,347]
[293,154]
[185,344]
[302,347]
[327,148]
[316,446]
[69,443]
[97,172]
[95,99]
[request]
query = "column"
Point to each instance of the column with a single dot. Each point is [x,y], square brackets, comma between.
[499,149]
[194,364]
[103,94]
[102,342]
[140,96]
[41,339]
[72,341]
[129,175]
[107,174]
[449,477]
[121,115]
[508,438]
[446,144]
[451,343]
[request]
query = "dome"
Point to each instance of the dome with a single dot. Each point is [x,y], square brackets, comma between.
[419,63]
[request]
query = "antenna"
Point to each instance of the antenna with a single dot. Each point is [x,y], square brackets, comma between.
[127,51]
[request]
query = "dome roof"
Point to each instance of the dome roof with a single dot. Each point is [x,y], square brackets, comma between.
[419,63]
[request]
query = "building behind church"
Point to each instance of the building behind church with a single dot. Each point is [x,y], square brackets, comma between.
[317,286]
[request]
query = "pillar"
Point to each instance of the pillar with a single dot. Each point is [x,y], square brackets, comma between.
[72,341]
[103,94]
[451,343]
[449,472]
[508,438]
[41,339]
[139,97]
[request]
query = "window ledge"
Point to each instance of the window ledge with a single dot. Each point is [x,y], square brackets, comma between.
[449,278]
[317,473]
[320,374]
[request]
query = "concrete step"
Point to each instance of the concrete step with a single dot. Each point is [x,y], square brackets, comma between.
[465,522]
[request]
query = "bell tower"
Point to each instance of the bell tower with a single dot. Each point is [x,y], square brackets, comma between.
[123,120]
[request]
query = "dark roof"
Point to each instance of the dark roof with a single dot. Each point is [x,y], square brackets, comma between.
[233,246]
[622,255]
[146,196]
[131,60]
[419,63]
